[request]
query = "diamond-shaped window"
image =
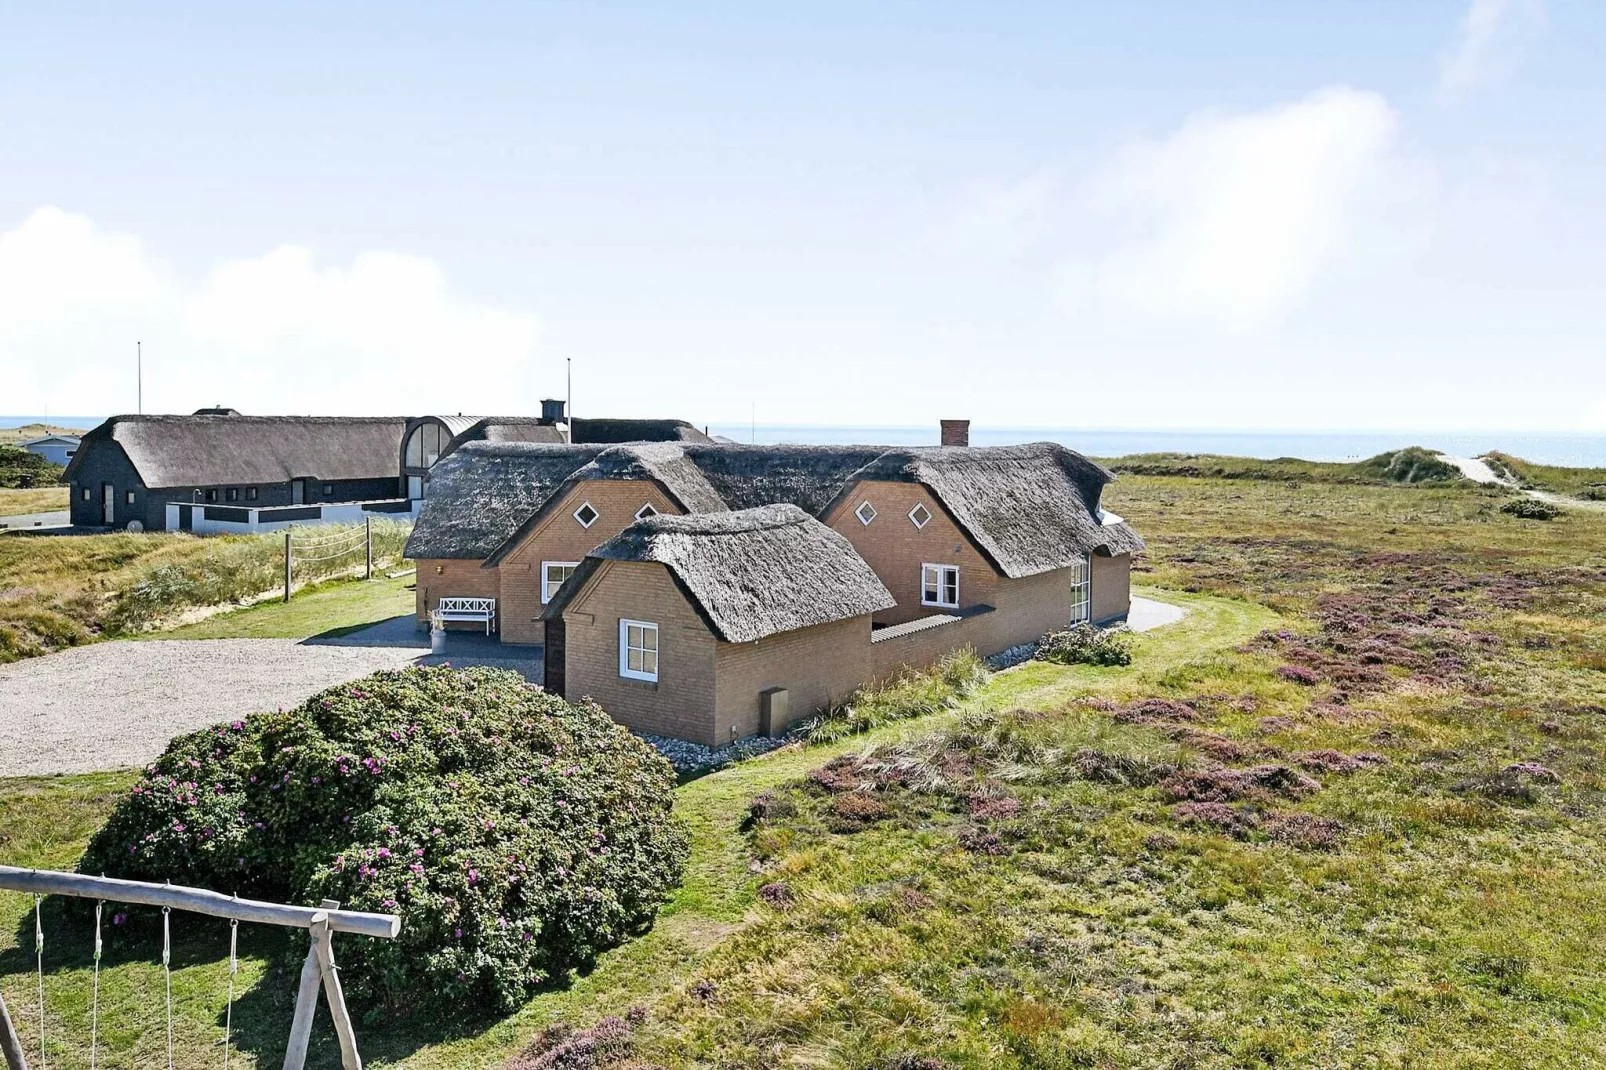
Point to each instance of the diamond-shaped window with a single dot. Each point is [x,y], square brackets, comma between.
[645,511]
[586,515]
[920,516]
[865,512]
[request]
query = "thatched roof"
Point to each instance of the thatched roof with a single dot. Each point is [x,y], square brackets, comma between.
[585,432]
[479,495]
[751,573]
[635,431]
[806,476]
[661,462]
[1030,508]
[180,451]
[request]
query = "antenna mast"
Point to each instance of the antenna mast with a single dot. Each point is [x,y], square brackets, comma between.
[139,377]
[568,401]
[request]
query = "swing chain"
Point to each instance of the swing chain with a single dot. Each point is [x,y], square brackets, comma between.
[167,958]
[234,968]
[94,1003]
[39,953]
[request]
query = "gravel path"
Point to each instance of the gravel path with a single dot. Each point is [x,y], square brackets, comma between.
[110,705]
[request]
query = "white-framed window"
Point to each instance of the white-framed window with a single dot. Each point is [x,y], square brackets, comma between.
[586,515]
[920,516]
[553,573]
[638,650]
[1081,591]
[645,511]
[865,512]
[939,586]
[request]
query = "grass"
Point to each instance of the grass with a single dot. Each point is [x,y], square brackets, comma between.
[1032,879]
[1412,465]
[15,502]
[1587,483]
[334,607]
[64,590]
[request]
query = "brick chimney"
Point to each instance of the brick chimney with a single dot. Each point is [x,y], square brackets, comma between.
[955,432]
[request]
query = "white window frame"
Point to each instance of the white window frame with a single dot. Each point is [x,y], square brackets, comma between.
[920,507]
[596,514]
[1082,591]
[625,648]
[926,570]
[547,590]
[860,511]
[647,509]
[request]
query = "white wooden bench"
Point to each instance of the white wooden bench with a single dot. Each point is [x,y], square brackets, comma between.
[471,609]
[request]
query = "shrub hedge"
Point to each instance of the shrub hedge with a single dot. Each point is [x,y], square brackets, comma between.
[516,834]
[1086,645]
[1531,509]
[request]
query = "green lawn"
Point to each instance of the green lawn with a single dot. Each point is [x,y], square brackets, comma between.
[332,608]
[1363,829]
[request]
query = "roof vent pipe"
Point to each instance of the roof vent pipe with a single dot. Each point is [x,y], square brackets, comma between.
[955,432]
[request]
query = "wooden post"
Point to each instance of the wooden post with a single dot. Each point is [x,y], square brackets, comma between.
[368,533]
[295,1056]
[287,564]
[321,943]
[10,1044]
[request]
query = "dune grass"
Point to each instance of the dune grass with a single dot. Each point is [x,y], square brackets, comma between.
[1586,483]
[20,502]
[1412,465]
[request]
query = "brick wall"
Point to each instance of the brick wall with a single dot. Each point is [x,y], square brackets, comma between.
[817,666]
[896,549]
[682,703]
[448,578]
[1112,587]
[561,538]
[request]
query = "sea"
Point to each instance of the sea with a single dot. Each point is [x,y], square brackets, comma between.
[1573,451]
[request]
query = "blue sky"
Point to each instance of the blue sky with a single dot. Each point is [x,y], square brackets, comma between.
[1318,215]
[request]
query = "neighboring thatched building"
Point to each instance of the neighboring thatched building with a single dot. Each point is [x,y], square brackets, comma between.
[218,470]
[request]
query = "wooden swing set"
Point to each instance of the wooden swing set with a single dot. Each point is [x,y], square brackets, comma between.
[321,923]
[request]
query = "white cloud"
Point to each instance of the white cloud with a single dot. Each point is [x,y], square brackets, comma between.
[1232,217]
[275,333]
[1488,43]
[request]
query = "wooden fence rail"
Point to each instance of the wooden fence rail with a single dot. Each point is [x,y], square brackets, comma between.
[195,900]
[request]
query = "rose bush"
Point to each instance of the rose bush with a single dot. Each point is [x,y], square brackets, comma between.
[516,834]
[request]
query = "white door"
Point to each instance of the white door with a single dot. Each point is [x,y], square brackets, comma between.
[108,500]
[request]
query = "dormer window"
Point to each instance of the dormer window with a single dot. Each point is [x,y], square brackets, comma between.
[865,512]
[920,516]
[586,515]
[645,511]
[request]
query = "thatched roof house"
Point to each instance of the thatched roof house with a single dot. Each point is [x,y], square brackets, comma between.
[703,589]
[206,450]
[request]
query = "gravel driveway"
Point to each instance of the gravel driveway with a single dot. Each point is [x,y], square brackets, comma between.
[110,705]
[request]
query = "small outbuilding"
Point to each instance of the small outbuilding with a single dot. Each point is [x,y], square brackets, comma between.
[715,626]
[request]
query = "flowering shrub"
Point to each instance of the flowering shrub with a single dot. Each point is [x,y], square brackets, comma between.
[516,834]
[1086,645]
